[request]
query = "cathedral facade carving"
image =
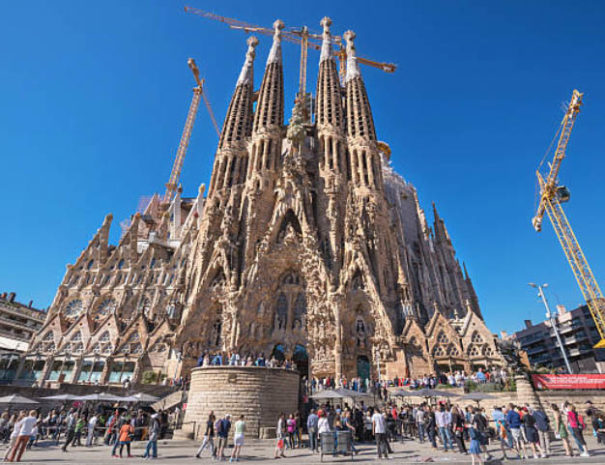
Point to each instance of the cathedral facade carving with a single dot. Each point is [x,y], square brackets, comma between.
[307,246]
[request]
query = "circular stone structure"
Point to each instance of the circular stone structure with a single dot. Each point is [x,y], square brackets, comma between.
[258,393]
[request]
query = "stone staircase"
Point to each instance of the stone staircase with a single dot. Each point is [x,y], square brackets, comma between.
[171,400]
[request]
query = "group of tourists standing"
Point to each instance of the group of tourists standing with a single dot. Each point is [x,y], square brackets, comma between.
[220,428]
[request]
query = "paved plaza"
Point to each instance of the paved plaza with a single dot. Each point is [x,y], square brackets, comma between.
[261,451]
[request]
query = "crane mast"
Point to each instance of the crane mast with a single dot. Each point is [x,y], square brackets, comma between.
[551,196]
[198,92]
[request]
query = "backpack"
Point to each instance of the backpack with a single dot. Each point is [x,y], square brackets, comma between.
[218,426]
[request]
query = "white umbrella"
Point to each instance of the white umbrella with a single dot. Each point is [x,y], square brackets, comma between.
[327,394]
[60,397]
[477,397]
[17,399]
[142,397]
[101,396]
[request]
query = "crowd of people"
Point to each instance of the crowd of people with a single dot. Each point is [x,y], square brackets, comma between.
[247,360]
[516,431]
[85,426]
[457,378]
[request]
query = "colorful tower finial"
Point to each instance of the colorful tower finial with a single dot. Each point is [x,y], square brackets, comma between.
[352,66]
[246,75]
[326,45]
[275,53]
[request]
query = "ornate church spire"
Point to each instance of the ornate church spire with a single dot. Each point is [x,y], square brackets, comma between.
[365,162]
[269,115]
[270,109]
[231,160]
[329,104]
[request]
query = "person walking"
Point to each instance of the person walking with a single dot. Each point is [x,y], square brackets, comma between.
[70,430]
[24,427]
[238,439]
[90,437]
[458,429]
[312,421]
[514,422]
[125,437]
[223,436]
[208,437]
[281,435]
[421,422]
[577,425]
[151,451]
[79,428]
[475,445]
[379,429]
[531,433]
[291,427]
[444,420]
[543,427]
[561,430]
[13,434]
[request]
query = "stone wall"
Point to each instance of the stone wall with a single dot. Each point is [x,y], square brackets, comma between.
[258,393]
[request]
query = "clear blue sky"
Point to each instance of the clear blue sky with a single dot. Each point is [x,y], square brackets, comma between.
[94,97]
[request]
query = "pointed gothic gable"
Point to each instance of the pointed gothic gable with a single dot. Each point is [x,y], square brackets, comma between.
[134,338]
[95,254]
[80,326]
[442,336]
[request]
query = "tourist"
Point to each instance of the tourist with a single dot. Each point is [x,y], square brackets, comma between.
[531,433]
[312,421]
[280,432]
[420,424]
[480,423]
[514,423]
[13,434]
[457,428]
[475,445]
[151,451]
[291,428]
[92,423]
[70,429]
[238,439]
[444,421]
[576,424]
[34,435]
[208,437]
[223,435]
[379,429]
[125,437]
[543,427]
[502,433]
[24,427]
[431,426]
[79,428]
[561,430]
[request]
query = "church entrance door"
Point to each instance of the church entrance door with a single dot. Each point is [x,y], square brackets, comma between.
[363,367]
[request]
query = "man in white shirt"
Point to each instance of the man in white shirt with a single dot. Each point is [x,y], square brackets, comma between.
[379,428]
[443,418]
[91,430]
[25,428]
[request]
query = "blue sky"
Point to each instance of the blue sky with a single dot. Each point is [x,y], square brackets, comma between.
[94,96]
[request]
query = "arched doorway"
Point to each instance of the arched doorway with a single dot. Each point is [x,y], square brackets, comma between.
[363,367]
[301,359]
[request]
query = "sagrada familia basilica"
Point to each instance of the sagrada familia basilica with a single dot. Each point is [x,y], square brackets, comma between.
[307,245]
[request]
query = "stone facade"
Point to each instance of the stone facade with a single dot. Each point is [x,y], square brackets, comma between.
[260,394]
[307,246]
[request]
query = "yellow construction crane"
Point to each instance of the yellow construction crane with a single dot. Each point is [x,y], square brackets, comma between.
[552,195]
[300,36]
[198,92]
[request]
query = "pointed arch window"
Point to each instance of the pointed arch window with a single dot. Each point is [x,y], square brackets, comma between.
[442,338]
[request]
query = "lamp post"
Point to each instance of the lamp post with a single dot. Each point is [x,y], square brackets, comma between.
[553,322]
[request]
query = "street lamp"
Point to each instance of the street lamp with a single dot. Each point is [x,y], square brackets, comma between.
[553,322]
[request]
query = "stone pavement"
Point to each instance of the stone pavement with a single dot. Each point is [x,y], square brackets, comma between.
[261,452]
